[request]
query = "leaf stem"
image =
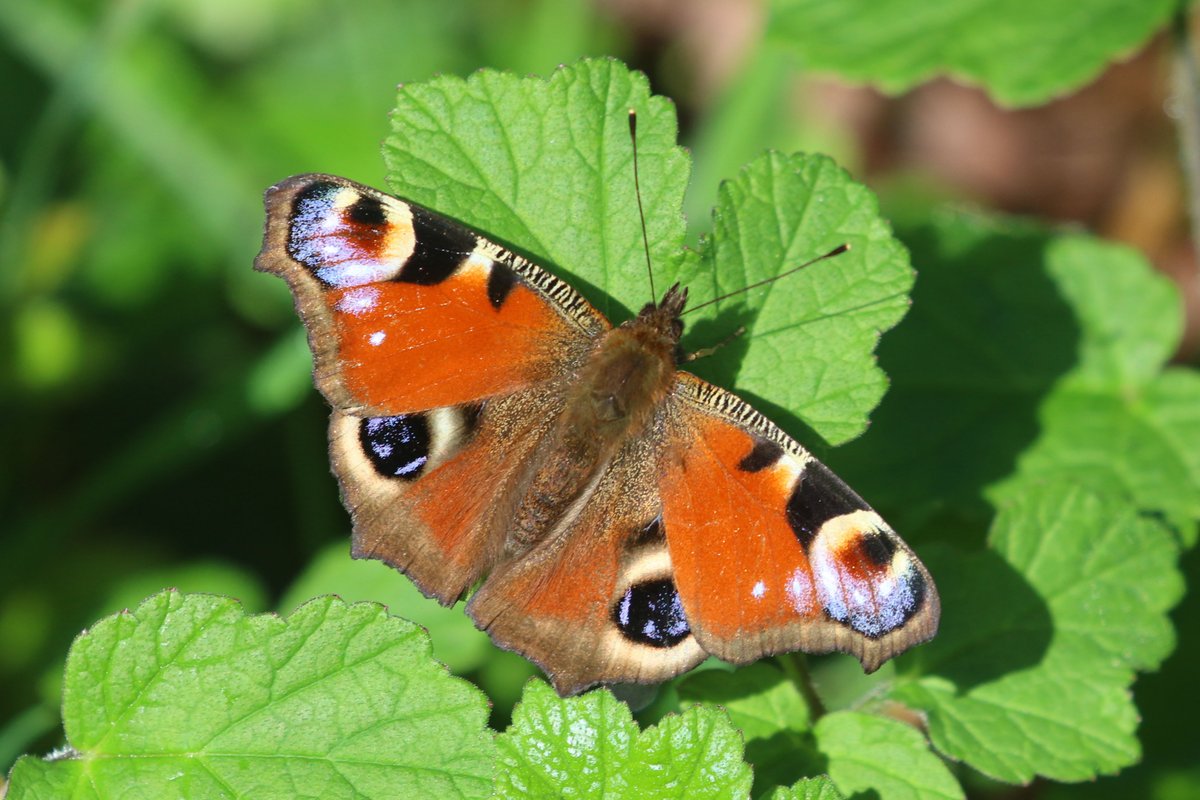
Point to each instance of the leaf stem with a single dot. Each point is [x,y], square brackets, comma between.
[1186,81]
[795,666]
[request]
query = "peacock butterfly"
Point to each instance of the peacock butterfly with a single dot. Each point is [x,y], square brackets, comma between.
[626,518]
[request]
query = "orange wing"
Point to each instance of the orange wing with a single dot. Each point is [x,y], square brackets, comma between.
[443,355]
[773,552]
[407,310]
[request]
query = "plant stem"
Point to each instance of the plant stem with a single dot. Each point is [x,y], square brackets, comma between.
[1187,115]
[795,666]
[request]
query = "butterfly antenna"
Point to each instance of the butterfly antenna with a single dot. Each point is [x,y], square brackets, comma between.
[837,251]
[637,190]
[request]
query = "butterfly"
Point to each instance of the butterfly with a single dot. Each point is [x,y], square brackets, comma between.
[623,519]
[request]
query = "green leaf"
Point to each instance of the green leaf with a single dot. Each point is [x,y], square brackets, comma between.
[808,789]
[1115,401]
[456,640]
[811,336]
[1116,416]
[860,752]
[871,753]
[1022,53]
[187,696]
[1142,438]
[770,713]
[760,700]
[457,643]
[1032,676]
[589,746]
[1131,317]
[1029,354]
[546,167]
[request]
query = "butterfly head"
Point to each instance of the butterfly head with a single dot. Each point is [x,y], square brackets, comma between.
[664,317]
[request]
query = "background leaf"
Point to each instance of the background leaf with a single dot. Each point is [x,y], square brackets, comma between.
[810,336]
[1032,677]
[860,752]
[1021,53]
[772,716]
[546,166]
[1028,354]
[808,789]
[457,643]
[871,753]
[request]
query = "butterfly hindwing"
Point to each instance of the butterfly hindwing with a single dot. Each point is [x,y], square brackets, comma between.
[772,552]
[428,491]
[595,601]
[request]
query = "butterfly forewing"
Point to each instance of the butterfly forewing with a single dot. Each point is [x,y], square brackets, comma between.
[407,310]
[772,551]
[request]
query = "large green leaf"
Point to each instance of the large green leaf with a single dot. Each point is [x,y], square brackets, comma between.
[189,697]
[1031,677]
[1030,354]
[812,335]
[546,167]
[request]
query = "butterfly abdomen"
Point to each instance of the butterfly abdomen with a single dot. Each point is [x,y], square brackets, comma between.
[612,398]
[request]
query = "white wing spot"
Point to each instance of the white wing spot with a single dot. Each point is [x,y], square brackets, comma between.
[358,300]
[800,591]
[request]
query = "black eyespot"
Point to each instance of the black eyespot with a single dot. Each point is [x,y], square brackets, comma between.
[398,447]
[367,211]
[651,613]
[877,547]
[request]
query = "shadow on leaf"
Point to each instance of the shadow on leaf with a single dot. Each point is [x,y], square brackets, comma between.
[989,334]
[993,621]
[722,366]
